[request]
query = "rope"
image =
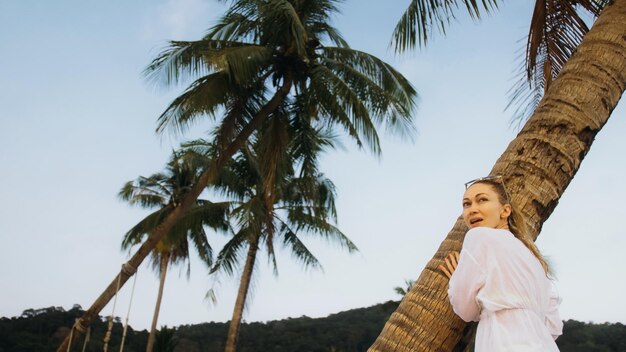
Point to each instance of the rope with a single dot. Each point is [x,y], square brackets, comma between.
[132,294]
[128,269]
[107,336]
[79,326]
[87,338]
[69,345]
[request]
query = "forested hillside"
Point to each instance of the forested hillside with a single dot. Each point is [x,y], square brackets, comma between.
[355,330]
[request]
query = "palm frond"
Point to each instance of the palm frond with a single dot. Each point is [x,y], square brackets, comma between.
[422,17]
[402,291]
[556,29]
[309,142]
[322,29]
[326,194]
[251,216]
[230,72]
[145,197]
[229,256]
[144,227]
[237,180]
[271,149]
[378,71]
[387,107]
[271,254]
[240,112]
[179,61]
[183,60]
[308,222]
[280,19]
[203,98]
[340,104]
[298,250]
[202,245]
[148,192]
[245,64]
[212,215]
[240,22]
[202,148]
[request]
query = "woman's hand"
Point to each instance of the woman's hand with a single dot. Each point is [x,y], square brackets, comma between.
[452,260]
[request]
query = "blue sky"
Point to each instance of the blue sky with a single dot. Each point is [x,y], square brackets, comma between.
[77,120]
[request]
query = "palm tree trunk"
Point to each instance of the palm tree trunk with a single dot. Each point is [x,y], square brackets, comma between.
[129,268]
[244,285]
[164,261]
[538,165]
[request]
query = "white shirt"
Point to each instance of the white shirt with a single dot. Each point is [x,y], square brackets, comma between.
[501,284]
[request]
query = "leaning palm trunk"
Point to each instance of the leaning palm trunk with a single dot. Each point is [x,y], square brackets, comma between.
[246,277]
[163,270]
[130,267]
[538,165]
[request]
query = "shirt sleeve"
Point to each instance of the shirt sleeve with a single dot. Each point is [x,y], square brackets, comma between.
[553,319]
[468,279]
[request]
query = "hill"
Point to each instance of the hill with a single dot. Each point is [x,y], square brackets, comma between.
[349,331]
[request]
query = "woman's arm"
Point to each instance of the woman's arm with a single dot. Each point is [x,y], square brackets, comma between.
[465,283]
[553,319]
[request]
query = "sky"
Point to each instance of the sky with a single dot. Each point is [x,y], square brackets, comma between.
[78,119]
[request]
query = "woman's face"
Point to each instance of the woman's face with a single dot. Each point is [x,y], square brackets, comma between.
[482,208]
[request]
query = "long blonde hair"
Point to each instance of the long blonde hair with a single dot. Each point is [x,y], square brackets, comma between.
[516,223]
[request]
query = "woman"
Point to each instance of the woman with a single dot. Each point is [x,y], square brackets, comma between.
[500,278]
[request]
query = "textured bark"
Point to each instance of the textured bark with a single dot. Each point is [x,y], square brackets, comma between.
[244,285]
[157,308]
[538,165]
[128,269]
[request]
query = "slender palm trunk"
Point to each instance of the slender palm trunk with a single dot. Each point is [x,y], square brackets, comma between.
[244,285]
[157,308]
[538,166]
[129,268]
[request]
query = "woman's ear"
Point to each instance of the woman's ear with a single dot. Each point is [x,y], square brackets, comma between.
[506,211]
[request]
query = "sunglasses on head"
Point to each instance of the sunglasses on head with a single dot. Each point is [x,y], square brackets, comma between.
[491,178]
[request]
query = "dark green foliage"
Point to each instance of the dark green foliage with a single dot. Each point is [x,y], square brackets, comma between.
[353,330]
[166,340]
[40,330]
[587,337]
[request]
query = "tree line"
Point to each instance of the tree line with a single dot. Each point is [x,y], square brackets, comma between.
[354,330]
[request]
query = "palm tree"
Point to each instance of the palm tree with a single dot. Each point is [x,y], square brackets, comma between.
[262,59]
[556,29]
[297,200]
[402,291]
[163,191]
[538,165]
[166,340]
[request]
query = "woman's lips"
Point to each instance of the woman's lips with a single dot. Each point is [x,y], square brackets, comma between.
[475,222]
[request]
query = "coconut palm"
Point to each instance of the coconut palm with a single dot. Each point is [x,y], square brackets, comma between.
[166,340]
[297,201]
[402,291]
[163,191]
[261,59]
[556,29]
[537,166]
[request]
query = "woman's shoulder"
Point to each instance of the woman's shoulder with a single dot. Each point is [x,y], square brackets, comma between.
[485,232]
[479,236]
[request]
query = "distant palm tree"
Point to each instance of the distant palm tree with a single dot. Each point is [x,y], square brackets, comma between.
[166,340]
[163,191]
[292,205]
[403,290]
[264,59]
